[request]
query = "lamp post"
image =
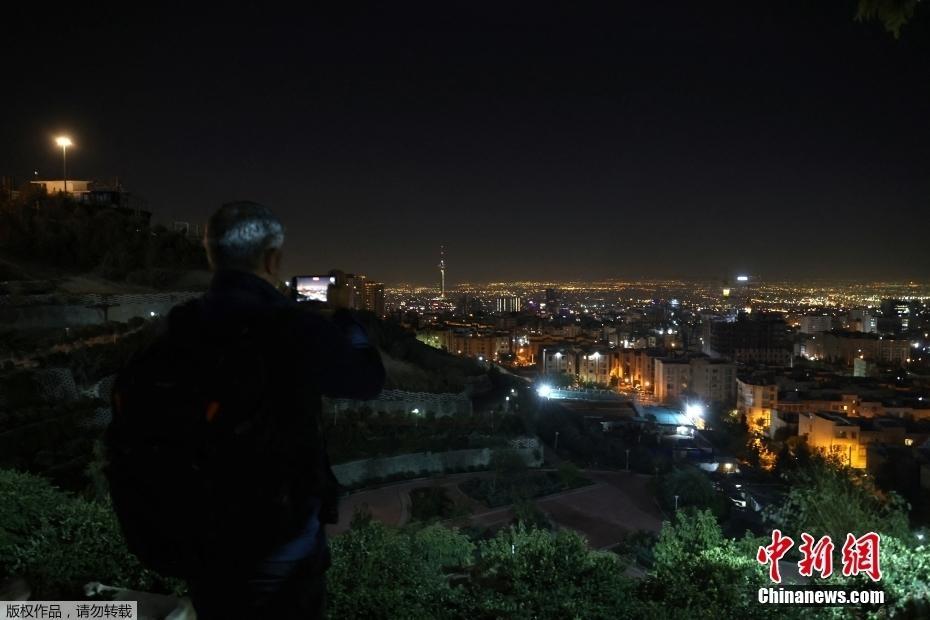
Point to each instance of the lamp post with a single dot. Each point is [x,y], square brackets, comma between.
[628,459]
[676,503]
[64,142]
[555,445]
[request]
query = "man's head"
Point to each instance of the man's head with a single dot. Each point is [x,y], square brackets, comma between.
[245,236]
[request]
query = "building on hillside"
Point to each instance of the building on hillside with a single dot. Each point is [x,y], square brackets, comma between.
[708,379]
[372,296]
[816,323]
[845,346]
[99,194]
[483,345]
[594,366]
[834,435]
[756,399]
[559,360]
[508,304]
[636,367]
[757,338]
[75,187]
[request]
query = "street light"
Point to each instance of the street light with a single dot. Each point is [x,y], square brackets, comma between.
[64,142]
[676,503]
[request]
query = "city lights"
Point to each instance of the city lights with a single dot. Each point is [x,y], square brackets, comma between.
[679,314]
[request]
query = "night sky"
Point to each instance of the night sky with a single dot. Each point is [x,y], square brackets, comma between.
[692,140]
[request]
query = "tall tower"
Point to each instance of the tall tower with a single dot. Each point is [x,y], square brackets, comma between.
[442,272]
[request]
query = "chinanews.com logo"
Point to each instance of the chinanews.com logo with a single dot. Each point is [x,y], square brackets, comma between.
[859,556]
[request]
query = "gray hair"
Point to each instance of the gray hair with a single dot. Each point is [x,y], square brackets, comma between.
[239,234]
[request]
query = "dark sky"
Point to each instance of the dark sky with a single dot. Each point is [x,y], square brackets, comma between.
[696,139]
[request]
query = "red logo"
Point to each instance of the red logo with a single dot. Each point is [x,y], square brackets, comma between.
[817,557]
[860,555]
[774,552]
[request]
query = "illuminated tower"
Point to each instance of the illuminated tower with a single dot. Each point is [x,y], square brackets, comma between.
[442,272]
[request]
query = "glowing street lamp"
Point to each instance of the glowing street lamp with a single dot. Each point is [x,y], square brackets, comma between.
[64,142]
[695,413]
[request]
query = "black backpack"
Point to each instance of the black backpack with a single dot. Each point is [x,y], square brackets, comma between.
[206,446]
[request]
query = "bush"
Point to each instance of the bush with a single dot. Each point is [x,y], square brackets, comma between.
[692,488]
[430,503]
[507,462]
[381,572]
[57,542]
[526,511]
[436,572]
[570,475]
[527,485]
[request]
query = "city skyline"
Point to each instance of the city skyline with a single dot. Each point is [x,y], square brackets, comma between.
[782,140]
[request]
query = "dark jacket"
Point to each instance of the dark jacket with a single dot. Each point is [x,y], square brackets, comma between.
[311,356]
[337,358]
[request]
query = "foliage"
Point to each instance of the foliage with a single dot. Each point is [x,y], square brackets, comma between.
[697,569]
[530,573]
[506,463]
[639,546]
[692,488]
[413,365]
[827,499]
[363,434]
[58,542]
[381,572]
[906,577]
[58,231]
[528,513]
[428,503]
[583,442]
[90,364]
[893,14]
[507,490]
[570,475]
[435,572]
[53,440]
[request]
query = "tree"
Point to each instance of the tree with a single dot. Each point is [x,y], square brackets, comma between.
[506,465]
[829,499]
[525,573]
[382,572]
[58,542]
[906,577]
[700,574]
[692,488]
[569,475]
[893,14]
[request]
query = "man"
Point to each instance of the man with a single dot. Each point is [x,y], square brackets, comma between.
[253,572]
